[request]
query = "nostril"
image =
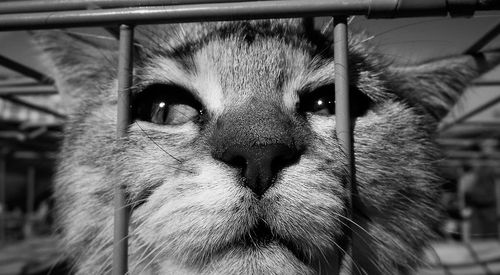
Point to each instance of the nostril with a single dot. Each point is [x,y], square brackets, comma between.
[236,161]
[285,157]
[235,158]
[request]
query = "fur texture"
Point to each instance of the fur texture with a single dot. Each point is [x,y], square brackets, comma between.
[191,212]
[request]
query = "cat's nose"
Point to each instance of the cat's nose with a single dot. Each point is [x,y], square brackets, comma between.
[260,164]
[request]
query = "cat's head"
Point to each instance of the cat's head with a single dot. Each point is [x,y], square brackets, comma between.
[232,164]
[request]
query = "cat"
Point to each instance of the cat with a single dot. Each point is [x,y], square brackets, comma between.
[232,164]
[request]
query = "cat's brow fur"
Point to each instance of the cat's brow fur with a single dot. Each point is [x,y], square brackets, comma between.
[190,209]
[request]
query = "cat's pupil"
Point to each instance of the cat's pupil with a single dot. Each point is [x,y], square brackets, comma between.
[166,105]
[324,106]
[321,101]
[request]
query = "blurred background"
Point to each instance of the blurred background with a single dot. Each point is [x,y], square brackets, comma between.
[31,120]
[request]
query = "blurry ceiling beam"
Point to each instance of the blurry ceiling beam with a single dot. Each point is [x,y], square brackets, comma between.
[457,162]
[481,123]
[459,154]
[22,136]
[28,90]
[474,112]
[36,133]
[25,70]
[29,145]
[17,82]
[484,40]
[484,83]
[467,131]
[33,106]
[463,141]
[28,125]
[13,134]
[456,141]
[33,155]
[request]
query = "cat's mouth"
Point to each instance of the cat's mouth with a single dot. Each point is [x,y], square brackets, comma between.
[261,235]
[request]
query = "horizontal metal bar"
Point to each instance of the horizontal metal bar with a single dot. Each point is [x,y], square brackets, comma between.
[33,106]
[65,5]
[24,70]
[28,90]
[181,13]
[228,11]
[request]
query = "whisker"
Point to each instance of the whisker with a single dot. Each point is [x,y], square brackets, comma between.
[408,25]
[91,35]
[152,140]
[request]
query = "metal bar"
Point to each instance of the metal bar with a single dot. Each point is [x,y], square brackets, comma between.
[28,90]
[484,40]
[181,13]
[33,106]
[65,5]
[24,70]
[3,203]
[383,6]
[465,116]
[230,11]
[123,121]
[497,208]
[343,125]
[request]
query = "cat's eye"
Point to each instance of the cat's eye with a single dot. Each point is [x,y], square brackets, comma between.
[321,101]
[166,104]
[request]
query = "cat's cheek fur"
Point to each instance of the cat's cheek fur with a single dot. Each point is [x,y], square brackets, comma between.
[193,218]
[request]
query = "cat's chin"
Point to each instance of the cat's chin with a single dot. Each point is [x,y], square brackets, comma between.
[262,251]
[260,237]
[270,257]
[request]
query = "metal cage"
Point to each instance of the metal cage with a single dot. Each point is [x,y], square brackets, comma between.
[36,14]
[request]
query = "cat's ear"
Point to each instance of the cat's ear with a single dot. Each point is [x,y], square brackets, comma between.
[437,85]
[81,65]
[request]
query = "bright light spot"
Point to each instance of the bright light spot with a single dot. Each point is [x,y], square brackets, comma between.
[161,105]
[320,102]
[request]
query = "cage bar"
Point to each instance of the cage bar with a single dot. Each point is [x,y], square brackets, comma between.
[241,10]
[3,202]
[64,5]
[497,206]
[120,243]
[343,126]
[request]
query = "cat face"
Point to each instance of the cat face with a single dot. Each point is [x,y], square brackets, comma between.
[232,164]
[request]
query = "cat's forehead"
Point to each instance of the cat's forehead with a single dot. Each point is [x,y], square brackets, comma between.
[233,63]
[188,36]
